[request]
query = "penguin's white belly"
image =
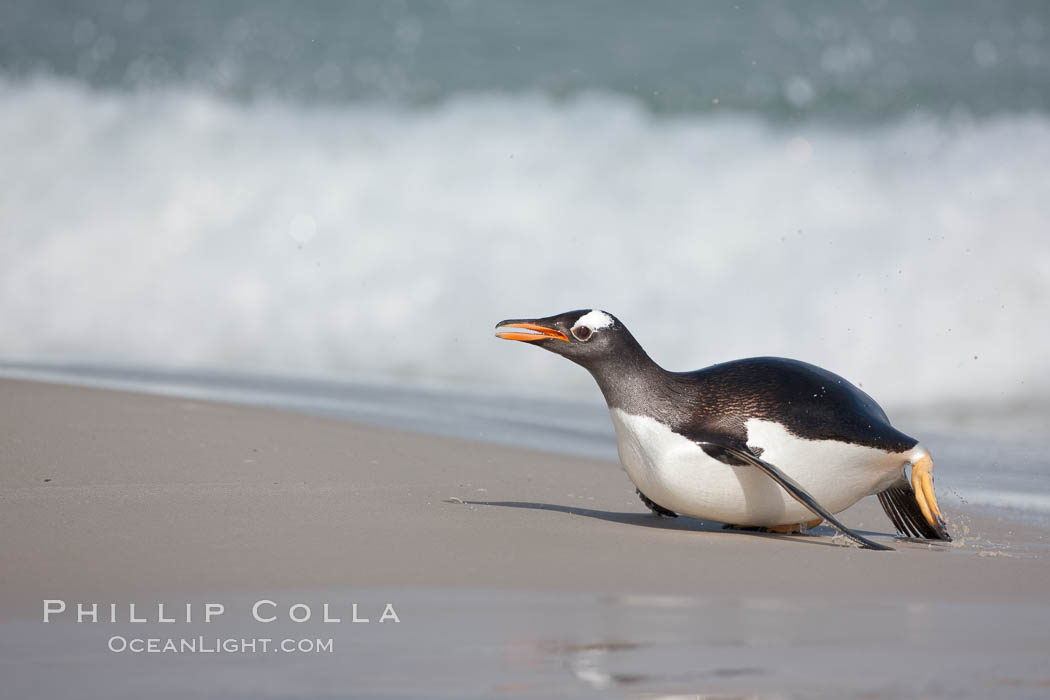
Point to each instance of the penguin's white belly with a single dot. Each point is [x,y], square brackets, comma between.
[674,472]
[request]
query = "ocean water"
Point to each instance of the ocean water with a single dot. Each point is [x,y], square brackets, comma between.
[361,190]
[863,62]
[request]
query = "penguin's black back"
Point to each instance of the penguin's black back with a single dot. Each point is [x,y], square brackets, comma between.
[715,403]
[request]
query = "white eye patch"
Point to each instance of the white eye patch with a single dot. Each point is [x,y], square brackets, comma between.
[595,320]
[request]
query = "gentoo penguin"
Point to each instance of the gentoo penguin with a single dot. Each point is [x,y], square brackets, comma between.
[764,442]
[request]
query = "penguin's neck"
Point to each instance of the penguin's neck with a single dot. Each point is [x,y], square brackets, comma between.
[631,381]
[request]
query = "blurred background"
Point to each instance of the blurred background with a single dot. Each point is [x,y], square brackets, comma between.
[361,190]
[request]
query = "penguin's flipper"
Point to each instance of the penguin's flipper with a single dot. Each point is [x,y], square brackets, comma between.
[902,506]
[800,495]
[655,507]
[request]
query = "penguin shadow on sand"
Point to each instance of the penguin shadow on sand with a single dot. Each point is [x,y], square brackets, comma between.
[820,535]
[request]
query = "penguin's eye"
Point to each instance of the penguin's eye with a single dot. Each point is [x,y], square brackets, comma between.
[582,332]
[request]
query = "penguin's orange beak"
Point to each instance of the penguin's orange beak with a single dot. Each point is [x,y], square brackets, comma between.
[534,331]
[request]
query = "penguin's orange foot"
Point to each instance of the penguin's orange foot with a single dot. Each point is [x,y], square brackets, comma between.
[913,507]
[922,484]
[745,528]
[795,527]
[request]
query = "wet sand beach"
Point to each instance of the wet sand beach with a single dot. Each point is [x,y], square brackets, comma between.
[512,571]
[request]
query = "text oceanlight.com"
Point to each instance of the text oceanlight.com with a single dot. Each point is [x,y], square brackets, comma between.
[216,645]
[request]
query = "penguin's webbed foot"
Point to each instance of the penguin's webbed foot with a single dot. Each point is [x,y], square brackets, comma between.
[654,507]
[745,528]
[913,507]
[795,527]
[789,529]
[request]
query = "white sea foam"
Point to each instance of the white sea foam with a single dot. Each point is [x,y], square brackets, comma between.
[178,228]
[1031,500]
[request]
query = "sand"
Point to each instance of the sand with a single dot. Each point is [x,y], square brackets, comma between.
[512,571]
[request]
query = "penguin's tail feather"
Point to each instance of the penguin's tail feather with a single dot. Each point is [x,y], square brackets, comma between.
[913,506]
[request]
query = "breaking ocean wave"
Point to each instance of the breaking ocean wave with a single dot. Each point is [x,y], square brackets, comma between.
[175,227]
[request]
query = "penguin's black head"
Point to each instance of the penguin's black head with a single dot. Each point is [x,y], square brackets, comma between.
[586,336]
